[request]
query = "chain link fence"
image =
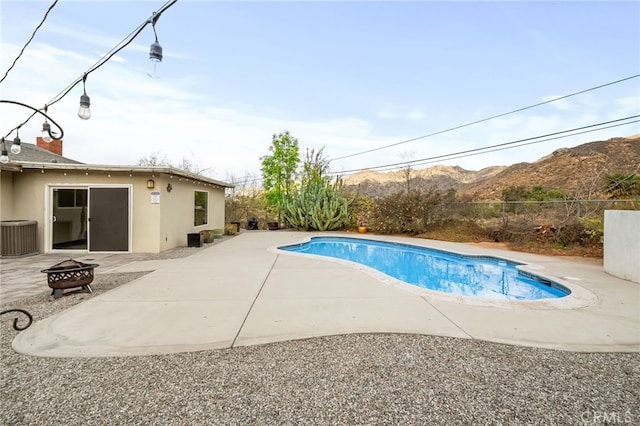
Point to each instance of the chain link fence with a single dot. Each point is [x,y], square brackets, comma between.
[564,221]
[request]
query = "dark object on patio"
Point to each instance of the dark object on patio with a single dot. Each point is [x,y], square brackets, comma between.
[237,225]
[69,274]
[272,226]
[194,240]
[15,320]
[252,224]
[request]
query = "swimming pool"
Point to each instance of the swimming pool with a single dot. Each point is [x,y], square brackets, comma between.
[476,276]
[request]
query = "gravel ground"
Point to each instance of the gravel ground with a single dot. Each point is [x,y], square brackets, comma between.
[351,379]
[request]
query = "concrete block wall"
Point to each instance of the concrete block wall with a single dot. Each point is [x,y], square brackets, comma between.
[622,244]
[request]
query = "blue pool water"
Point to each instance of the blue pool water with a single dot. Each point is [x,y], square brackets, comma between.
[476,276]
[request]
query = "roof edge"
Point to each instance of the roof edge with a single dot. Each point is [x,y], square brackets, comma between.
[110,168]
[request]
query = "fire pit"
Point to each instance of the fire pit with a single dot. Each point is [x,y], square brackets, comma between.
[69,274]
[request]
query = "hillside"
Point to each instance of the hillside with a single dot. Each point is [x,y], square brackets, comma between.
[577,170]
[440,177]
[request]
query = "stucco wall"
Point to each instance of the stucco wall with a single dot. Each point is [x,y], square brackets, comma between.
[179,203]
[6,195]
[155,226]
[622,244]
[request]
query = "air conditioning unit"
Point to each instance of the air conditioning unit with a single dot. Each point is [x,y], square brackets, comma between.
[18,237]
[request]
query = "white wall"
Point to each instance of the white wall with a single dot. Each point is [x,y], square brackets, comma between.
[178,210]
[622,244]
[155,227]
[6,195]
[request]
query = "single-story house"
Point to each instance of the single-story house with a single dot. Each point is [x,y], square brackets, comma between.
[103,208]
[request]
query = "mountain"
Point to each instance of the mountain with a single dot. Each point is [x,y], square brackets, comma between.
[579,171]
[440,177]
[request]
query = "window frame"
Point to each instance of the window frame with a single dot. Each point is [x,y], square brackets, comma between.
[200,211]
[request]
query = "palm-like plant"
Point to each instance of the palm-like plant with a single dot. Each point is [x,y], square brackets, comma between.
[621,185]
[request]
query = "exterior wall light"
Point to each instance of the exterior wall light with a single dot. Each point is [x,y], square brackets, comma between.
[151,184]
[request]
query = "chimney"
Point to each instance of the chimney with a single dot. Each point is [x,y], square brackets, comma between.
[54,146]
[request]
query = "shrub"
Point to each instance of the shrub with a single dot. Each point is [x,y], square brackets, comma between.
[592,231]
[412,213]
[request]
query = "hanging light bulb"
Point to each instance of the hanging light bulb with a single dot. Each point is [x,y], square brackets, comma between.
[4,158]
[85,102]
[16,148]
[155,52]
[46,128]
[84,112]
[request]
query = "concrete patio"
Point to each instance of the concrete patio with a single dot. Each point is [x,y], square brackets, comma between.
[245,292]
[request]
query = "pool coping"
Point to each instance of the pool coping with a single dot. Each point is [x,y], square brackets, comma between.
[579,297]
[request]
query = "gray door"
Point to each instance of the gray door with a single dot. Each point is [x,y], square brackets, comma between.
[108,219]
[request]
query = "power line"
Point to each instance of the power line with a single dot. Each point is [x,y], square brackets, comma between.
[33,34]
[460,154]
[518,146]
[480,151]
[117,48]
[104,59]
[486,119]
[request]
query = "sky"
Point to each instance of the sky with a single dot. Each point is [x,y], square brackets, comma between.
[349,76]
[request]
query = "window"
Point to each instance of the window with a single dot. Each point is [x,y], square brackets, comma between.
[71,197]
[200,208]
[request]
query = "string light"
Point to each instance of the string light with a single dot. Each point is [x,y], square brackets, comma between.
[4,158]
[84,111]
[15,148]
[85,102]
[47,136]
[46,129]
[155,51]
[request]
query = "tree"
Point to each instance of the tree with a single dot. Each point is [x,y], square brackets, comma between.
[315,165]
[407,171]
[279,169]
[157,159]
